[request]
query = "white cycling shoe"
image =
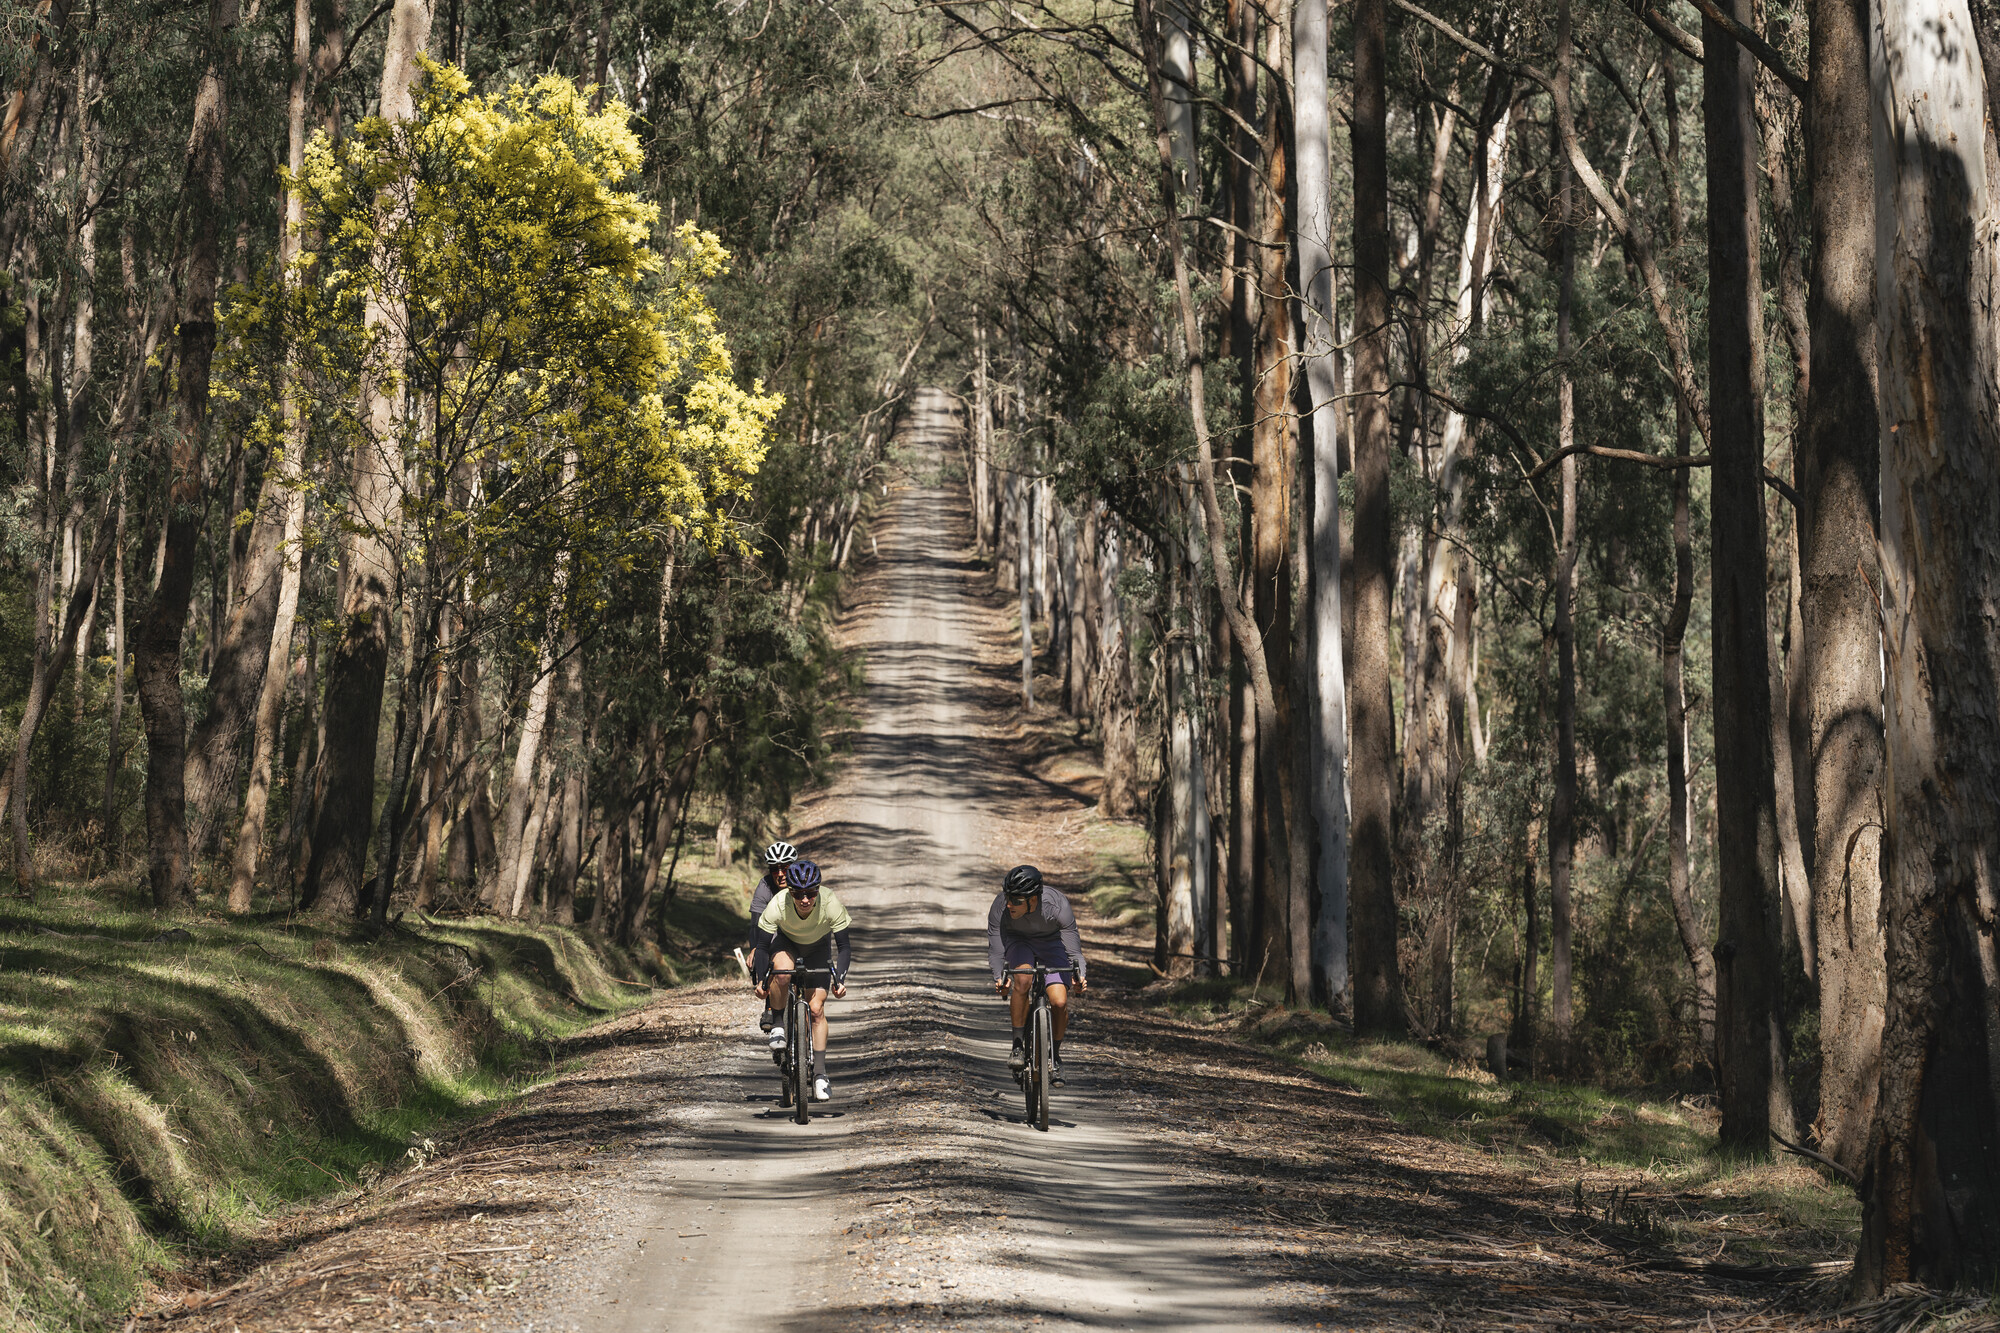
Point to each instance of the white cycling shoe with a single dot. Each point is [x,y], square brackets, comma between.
[777,1036]
[822,1090]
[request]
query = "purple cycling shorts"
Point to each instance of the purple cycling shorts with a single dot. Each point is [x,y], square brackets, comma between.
[1047,950]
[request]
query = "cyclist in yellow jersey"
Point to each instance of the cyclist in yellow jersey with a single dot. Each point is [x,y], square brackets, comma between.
[808,928]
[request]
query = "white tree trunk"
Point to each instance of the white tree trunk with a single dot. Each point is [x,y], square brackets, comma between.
[1177,69]
[271,698]
[1024,502]
[1314,242]
[1928,1211]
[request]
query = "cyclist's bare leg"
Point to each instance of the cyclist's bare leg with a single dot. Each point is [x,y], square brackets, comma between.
[1017,999]
[1059,1002]
[819,1020]
[780,985]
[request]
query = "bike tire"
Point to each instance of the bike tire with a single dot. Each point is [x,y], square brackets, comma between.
[801,1070]
[1043,1071]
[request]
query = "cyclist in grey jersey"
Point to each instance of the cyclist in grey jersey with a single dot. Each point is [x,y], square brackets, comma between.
[1031,923]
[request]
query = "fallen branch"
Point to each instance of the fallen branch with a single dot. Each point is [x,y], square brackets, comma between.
[1801,1151]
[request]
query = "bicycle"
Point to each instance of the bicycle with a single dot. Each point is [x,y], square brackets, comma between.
[1036,1079]
[795,1060]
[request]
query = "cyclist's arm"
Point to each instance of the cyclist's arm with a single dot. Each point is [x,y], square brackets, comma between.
[842,956]
[1072,940]
[759,900]
[996,952]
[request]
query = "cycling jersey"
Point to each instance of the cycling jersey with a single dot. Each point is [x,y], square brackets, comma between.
[826,917]
[1050,918]
[803,936]
[760,898]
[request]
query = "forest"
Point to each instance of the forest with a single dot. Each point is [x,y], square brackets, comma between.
[1500,486]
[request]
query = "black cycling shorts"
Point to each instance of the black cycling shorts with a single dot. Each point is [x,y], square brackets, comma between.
[819,954]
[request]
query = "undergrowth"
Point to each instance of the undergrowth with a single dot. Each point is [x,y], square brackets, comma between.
[161,1091]
[1644,1162]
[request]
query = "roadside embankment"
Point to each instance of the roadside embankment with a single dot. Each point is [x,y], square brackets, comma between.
[164,1085]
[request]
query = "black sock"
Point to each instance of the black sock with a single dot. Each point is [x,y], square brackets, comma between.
[819,1064]
[1020,1035]
[1058,1048]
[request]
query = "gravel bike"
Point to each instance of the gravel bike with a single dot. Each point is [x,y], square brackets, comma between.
[795,1060]
[1036,1079]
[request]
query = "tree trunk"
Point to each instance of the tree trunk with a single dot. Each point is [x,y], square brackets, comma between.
[113,744]
[982,449]
[514,845]
[531,838]
[359,662]
[1562,808]
[1220,566]
[1458,673]
[1120,798]
[679,784]
[159,656]
[290,504]
[1931,1210]
[1751,1074]
[1378,991]
[1076,623]
[575,816]
[1024,581]
[1179,863]
[1314,241]
[1841,642]
[1680,895]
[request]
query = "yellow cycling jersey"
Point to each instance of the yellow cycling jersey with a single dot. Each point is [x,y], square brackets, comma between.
[828,917]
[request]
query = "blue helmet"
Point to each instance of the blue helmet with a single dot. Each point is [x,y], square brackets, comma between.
[802,875]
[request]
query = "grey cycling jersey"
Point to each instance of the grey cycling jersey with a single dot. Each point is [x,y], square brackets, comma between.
[760,898]
[1049,917]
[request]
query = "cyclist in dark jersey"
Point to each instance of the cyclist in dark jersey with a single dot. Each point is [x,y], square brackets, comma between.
[776,857]
[1031,923]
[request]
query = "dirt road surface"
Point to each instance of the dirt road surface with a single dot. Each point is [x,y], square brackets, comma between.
[761,1223]
[1188,1181]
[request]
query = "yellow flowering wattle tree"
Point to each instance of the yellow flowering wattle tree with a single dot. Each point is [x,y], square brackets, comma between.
[544,399]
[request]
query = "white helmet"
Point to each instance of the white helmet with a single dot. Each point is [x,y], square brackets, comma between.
[780,854]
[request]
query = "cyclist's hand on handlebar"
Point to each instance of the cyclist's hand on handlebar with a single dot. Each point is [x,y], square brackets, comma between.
[839,990]
[1000,985]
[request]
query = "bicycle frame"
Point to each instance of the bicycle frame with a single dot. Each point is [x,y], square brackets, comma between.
[1037,1077]
[795,1061]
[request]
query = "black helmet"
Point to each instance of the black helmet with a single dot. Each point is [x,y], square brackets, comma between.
[802,875]
[1022,883]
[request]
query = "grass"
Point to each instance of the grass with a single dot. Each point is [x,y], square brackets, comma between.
[1645,1160]
[159,1096]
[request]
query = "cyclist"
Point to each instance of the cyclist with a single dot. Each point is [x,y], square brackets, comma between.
[1031,923]
[808,928]
[776,857]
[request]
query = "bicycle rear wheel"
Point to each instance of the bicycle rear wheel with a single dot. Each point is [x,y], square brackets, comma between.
[1043,1071]
[801,1071]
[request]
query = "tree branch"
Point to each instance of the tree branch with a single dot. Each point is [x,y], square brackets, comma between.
[1750,41]
[1668,31]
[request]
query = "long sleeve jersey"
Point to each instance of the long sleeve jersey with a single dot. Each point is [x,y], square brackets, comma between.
[760,898]
[1051,916]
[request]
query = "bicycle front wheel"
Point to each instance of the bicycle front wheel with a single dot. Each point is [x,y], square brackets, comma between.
[801,1070]
[1043,1073]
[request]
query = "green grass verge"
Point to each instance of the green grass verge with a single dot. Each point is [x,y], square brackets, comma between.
[1643,1160]
[158,1096]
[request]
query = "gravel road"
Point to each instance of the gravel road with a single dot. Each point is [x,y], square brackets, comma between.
[918,1193]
